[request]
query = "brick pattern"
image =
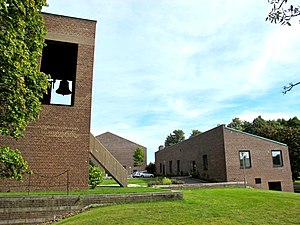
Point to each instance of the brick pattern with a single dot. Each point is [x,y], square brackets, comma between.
[193,149]
[59,140]
[261,161]
[222,146]
[122,149]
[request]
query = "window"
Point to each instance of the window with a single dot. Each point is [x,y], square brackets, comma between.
[205,162]
[245,160]
[170,167]
[160,168]
[257,180]
[277,158]
[59,59]
[194,166]
[178,166]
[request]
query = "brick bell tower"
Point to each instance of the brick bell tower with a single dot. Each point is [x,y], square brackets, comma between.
[56,146]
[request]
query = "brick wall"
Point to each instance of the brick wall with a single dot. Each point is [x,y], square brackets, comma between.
[209,143]
[261,160]
[122,149]
[221,145]
[59,140]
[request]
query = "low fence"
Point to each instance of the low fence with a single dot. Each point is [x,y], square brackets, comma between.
[38,182]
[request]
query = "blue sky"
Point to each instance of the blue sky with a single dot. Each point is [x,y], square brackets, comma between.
[162,65]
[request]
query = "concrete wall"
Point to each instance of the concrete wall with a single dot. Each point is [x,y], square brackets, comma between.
[59,140]
[102,156]
[122,149]
[261,160]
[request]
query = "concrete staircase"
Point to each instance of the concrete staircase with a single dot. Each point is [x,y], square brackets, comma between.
[108,161]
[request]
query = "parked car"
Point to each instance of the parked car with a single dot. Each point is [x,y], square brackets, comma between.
[142,174]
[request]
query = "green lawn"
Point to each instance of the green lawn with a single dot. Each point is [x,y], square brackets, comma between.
[297,186]
[98,190]
[139,181]
[202,206]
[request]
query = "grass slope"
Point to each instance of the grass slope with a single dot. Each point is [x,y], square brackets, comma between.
[202,206]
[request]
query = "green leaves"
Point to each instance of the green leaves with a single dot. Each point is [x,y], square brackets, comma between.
[12,164]
[95,175]
[22,85]
[138,157]
[176,137]
[22,34]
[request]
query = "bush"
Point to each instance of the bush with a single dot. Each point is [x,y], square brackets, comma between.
[177,181]
[166,181]
[95,176]
[12,164]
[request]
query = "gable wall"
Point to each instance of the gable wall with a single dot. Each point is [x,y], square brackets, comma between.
[261,160]
[122,150]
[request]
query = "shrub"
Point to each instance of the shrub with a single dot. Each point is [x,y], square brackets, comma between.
[166,181]
[174,181]
[95,176]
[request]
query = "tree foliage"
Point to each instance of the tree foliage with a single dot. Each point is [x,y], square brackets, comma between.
[138,157]
[174,138]
[281,12]
[151,168]
[12,164]
[195,133]
[22,85]
[281,130]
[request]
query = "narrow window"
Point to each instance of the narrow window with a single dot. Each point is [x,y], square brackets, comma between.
[170,167]
[178,166]
[277,158]
[245,160]
[160,168]
[194,166]
[205,162]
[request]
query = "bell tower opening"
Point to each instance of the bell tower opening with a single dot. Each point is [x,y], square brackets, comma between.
[60,61]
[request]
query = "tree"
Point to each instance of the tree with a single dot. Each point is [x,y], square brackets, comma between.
[22,85]
[282,14]
[151,168]
[176,137]
[194,133]
[237,124]
[138,157]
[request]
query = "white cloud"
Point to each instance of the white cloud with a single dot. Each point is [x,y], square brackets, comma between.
[166,65]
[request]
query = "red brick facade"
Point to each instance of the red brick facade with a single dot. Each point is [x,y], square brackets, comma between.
[122,149]
[215,155]
[59,140]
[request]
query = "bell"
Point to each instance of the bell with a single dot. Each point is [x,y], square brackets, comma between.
[63,88]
